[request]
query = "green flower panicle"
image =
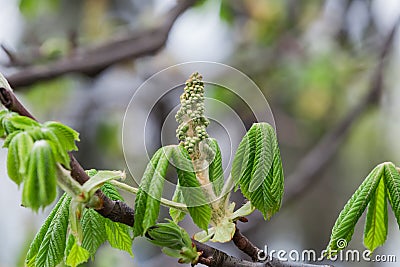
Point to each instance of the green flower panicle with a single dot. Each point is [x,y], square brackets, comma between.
[191,119]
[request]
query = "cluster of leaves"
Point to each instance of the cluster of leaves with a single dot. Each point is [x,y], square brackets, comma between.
[147,203]
[257,170]
[382,184]
[174,241]
[55,241]
[34,152]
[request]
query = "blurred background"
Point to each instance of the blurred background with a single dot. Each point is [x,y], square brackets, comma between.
[315,61]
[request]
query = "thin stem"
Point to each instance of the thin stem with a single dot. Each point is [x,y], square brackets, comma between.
[165,202]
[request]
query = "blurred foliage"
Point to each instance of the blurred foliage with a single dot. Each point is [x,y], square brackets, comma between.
[31,9]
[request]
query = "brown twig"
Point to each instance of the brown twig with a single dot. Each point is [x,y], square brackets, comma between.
[216,258]
[245,245]
[305,174]
[91,61]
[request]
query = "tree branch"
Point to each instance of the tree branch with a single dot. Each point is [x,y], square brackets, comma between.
[216,258]
[92,61]
[245,245]
[314,162]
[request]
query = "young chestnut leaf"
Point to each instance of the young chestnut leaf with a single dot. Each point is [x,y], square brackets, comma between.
[18,155]
[147,203]
[352,211]
[392,182]
[66,135]
[40,186]
[47,248]
[22,122]
[174,240]
[77,255]
[216,173]
[93,230]
[192,193]
[118,235]
[177,215]
[257,169]
[376,222]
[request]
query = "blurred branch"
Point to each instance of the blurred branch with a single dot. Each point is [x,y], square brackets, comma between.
[92,61]
[13,59]
[245,245]
[306,172]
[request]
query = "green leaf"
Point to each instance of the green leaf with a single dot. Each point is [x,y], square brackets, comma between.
[343,229]
[17,157]
[93,229]
[376,224]
[60,213]
[118,236]
[392,182]
[110,191]
[9,138]
[216,173]
[66,135]
[193,194]
[257,168]
[147,203]
[40,186]
[59,152]
[7,124]
[23,123]
[177,215]
[169,235]
[77,255]
[174,240]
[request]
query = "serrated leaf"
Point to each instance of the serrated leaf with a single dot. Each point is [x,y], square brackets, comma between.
[23,123]
[193,194]
[376,224]
[77,255]
[344,226]
[147,203]
[110,191]
[66,135]
[60,208]
[118,235]
[177,215]
[68,246]
[392,182]
[52,247]
[93,229]
[17,157]
[60,154]
[40,186]
[216,173]
[257,168]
